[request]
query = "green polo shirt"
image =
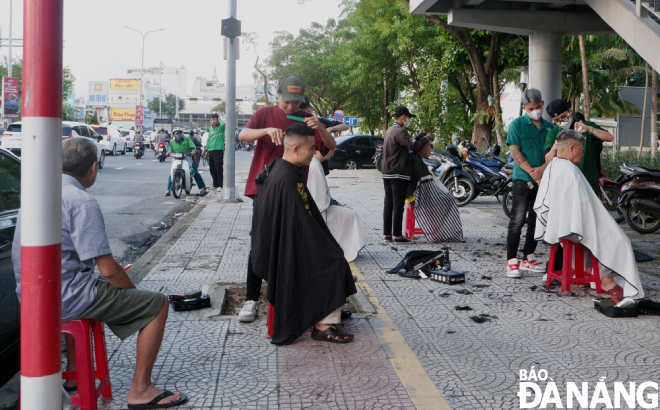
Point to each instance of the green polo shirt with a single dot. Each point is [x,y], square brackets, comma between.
[588,165]
[524,133]
[216,139]
[185,146]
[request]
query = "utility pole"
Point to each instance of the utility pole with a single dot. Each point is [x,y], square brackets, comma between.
[231,28]
[160,85]
[142,67]
[41,203]
[11,40]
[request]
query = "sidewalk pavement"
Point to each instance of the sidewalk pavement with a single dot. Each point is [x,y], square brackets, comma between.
[412,348]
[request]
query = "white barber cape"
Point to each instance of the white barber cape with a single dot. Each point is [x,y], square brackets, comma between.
[567,207]
[341,220]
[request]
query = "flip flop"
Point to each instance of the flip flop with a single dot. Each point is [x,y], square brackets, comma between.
[69,389]
[331,335]
[616,291]
[153,404]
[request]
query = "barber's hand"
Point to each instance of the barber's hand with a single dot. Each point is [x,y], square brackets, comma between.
[536,173]
[276,135]
[582,127]
[554,146]
[313,122]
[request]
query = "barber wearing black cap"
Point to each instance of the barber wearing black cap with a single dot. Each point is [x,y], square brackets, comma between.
[396,172]
[560,112]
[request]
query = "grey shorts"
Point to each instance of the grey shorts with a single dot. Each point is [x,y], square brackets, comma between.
[125,311]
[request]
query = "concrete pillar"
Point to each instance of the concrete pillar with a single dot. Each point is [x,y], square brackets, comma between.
[545,51]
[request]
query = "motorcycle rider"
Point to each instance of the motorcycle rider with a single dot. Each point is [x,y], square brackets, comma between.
[184,144]
[164,138]
[139,138]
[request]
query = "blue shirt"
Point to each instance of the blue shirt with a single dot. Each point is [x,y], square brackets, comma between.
[83,239]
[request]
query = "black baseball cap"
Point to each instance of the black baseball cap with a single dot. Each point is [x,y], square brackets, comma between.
[557,107]
[292,88]
[401,110]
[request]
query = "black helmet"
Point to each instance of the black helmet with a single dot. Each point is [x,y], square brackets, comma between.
[453,151]
[496,149]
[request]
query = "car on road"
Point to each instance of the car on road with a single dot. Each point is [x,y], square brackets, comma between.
[148,137]
[127,137]
[355,151]
[10,201]
[11,139]
[113,139]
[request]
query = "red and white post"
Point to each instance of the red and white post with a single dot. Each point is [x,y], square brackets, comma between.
[41,206]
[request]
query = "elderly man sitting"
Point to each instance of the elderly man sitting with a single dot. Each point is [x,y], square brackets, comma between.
[341,219]
[110,297]
[567,207]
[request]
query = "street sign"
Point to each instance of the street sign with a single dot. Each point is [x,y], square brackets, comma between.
[10,97]
[139,115]
[351,121]
[339,115]
[98,93]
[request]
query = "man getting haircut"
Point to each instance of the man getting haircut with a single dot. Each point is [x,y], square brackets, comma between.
[294,251]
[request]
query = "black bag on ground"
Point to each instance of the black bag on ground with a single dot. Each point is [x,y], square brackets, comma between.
[414,260]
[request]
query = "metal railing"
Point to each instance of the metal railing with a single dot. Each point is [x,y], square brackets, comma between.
[645,6]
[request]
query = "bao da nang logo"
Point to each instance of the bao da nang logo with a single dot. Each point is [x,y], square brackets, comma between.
[538,390]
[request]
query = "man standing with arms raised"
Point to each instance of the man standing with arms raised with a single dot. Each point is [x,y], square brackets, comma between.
[526,137]
[271,122]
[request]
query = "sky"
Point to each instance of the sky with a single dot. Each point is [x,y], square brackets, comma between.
[98,46]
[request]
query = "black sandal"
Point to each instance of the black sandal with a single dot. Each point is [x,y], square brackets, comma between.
[331,335]
[153,404]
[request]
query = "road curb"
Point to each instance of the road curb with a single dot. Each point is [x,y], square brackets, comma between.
[150,258]
[419,386]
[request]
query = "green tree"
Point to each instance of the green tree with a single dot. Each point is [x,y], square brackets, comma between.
[91,117]
[169,105]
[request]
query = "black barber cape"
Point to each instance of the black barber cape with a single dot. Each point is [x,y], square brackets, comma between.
[293,250]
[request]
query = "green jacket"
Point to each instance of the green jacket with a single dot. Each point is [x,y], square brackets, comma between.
[530,139]
[216,139]
[588,165]
[186,146]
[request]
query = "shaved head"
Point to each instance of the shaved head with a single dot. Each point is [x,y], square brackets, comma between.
[299,144]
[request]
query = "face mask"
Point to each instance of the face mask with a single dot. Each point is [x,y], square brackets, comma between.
[179,138]
[535,115]
[566,124]
[406,123]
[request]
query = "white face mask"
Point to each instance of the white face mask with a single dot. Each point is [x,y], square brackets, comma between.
[406,123]
[566,124]
[535,115]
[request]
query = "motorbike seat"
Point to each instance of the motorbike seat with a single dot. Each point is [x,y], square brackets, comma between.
[653,172]
[431,162]
[491,164]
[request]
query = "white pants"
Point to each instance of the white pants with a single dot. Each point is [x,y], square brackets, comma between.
[333,318]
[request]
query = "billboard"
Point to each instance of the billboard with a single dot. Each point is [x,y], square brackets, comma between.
[123,99]
[127,84]
[122,114]
[139,115]
[98,93]
[10,98]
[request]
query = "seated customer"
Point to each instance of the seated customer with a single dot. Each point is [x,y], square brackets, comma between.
[295,252]
[110,297]
[341,220]
[567,207]
[436,212]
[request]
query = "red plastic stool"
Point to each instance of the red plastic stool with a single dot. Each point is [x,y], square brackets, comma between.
[83,331]
[270,320]
[568,275]
[411,230]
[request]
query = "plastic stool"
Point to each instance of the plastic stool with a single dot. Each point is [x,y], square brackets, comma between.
[569,275]
[270,320]
[411,230]
[83,330]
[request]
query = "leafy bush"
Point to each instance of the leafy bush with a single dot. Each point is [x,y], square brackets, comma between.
[611,163]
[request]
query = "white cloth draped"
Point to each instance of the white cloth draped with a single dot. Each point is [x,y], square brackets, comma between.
[567,207]
[341,220]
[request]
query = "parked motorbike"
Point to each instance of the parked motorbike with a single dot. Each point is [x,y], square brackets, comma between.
[610,194]
[161,152]
[640,200]
[488,175]
[449,169]
[138,151]
[378,158]
[181,174]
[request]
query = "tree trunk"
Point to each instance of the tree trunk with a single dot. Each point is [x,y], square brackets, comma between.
[498,110]
[646,90]
[585,79]
[654,113]
[384,108]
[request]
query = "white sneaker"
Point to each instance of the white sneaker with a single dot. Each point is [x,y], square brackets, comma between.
[249,312]
[512,269]
[531,265]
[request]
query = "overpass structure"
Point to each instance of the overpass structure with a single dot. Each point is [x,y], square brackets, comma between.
[546,21]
